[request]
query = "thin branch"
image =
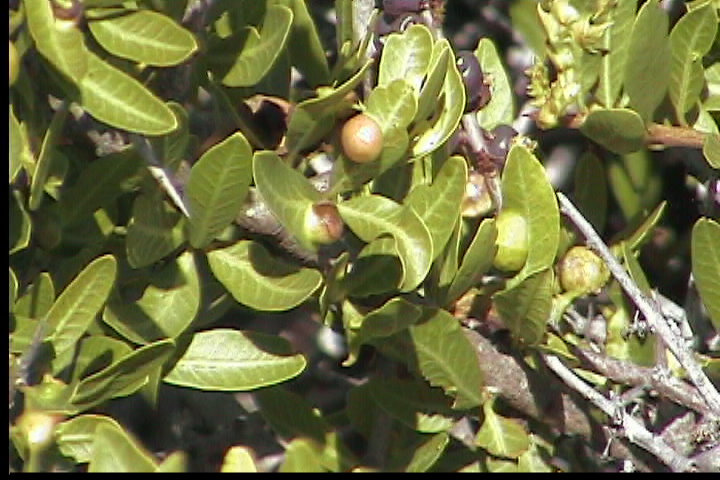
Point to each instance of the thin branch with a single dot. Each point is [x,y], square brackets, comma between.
[631,428]
[674,136]
[647,307]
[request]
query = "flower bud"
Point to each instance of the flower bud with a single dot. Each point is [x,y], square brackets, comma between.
[512,241]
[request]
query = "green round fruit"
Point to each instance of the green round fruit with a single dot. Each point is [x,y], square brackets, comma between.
[38,428]
[361,139]
[512,241]
[582,271]
[323,224]
[14,63]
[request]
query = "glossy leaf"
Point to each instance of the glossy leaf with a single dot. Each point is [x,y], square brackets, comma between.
[261,281]
[119,100]
[232,360]
[394,316]
[393,106]
[527,191]
[127,454]
[77,305]
[238,460]
[167,307]
[97,352]
[526,306]
[711,150]
[261,49]
[451,103]
[300,421]
[647,69]
[642,233]
[619,130]
[59,41]
[712,79]
[433,84]
[500,109]
[438,204]
[154,230]
[286,192]
[371,216]
[45,158]
[690,39]
[413,403]
[501,436]
[428,453]
[101,182]
[75,436]
[144,36]
[591,191]
[377,269]
[406,56]
[705,255]
[476,262]
[126,375]
[306,49]
[617,38]
[217,188]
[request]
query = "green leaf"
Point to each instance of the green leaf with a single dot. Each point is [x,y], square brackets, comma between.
[238,460]
[286,192]
[438,205]
[476,262]
[20,153]
[145,37]
[176,462]
[690,39]
[451,104]
[619,130]
[75,437]
[37,299]
[406,56]
[393,106]
[712,79]
[617,38]
[500,109]
[377,269]
[532,461]
[13,289]
[433,84]
[439,350]
[641,233]
[711,150]
[76,307]
[501,436]
[647,69]
[167,306]
[394,316]
[306,49]
[127,454]
[260,50]
[154,230]
[232,360]
[524,18]
[97,352]
[428,453]
[527,191]
[300,421]
[413,403]
[301,456]
[99,183]
[126,375]
[45,157]
[705,253]
[525,307]
[20,224]
[217,188]
[591,190]
[261,281]
[59,41]
[372,216]
[113,97]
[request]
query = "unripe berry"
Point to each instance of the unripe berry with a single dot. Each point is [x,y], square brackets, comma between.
[512,241]
[323,224]
[361,139]
[37,427]
[582,271]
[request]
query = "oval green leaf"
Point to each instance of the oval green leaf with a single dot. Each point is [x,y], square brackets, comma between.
[433,84]
[526,306]
[37,299]
[260,50]
[75,437]
[476,262]
[306,50]
[711,150]
[705,252]
[217,188]
[127,454]
[612,65]
[501,107]
[45,157]
[591,190]
[406,56]
[371,216]
[500,436]
[154,230]
[145,37]
[261,281]
[76,307]
[231,360]
[619,130]
[428,453]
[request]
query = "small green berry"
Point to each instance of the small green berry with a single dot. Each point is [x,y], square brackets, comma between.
[512,241]
[582,271]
